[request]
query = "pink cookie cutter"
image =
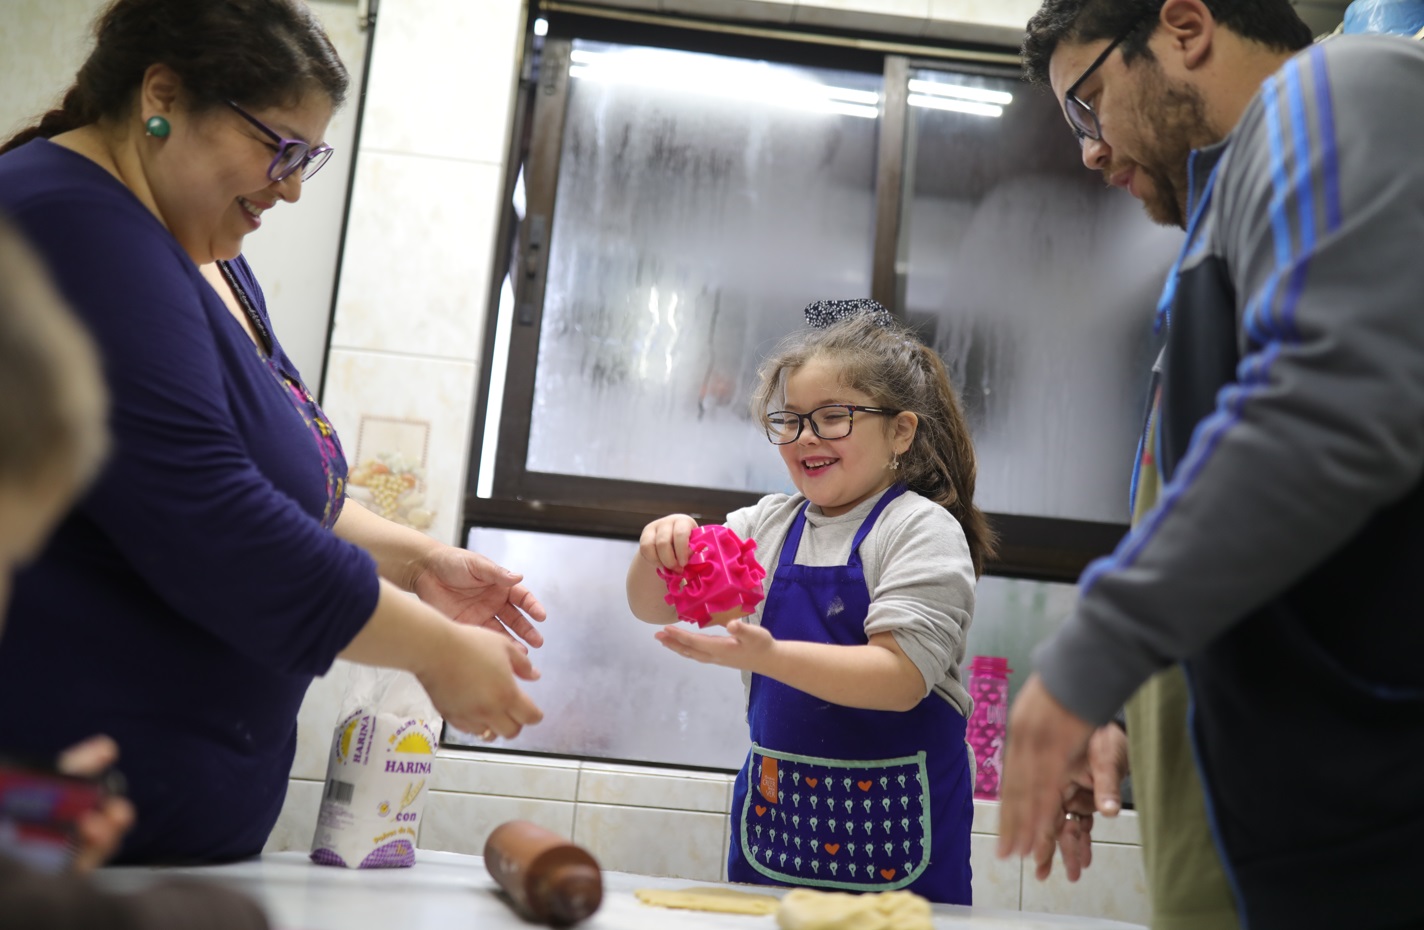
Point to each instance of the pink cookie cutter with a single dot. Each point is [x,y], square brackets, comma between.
[721,581]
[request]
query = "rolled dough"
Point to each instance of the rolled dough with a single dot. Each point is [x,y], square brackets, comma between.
[804,909]
[718,900]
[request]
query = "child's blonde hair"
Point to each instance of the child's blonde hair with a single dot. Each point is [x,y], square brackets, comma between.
[52,398]
[879,357]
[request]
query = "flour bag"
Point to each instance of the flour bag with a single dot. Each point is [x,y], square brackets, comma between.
[378,772]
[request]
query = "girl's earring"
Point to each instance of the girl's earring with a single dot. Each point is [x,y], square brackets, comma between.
[157,127]
[894,462]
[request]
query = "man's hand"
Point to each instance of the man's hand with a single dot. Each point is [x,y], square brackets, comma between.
[1046,742]
[1095,787]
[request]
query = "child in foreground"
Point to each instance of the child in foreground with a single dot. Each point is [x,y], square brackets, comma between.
[52,441]
[858,778]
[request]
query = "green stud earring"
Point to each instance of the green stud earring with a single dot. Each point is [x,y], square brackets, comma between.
[157,127]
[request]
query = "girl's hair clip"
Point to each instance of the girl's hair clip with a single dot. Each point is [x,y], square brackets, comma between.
[824,314]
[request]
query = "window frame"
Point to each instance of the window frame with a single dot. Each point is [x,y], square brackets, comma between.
[1037,548]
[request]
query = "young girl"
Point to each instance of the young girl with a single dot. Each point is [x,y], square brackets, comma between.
[858,777]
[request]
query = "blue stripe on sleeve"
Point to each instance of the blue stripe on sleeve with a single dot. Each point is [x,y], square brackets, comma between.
[1329,153]
[1259,324]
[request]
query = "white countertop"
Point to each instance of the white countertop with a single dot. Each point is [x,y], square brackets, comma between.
[449,890]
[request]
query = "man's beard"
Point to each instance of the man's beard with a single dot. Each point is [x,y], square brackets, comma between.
[1175,123]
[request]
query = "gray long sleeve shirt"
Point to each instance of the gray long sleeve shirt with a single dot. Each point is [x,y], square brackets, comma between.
[917,568]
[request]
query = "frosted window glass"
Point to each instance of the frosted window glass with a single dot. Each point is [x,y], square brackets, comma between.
[1012,616]
[1037,285]
[608,689]
[703,201]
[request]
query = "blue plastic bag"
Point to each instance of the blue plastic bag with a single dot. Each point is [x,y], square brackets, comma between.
[1400,17]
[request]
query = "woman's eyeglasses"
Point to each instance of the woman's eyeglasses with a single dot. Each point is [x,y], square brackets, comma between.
[291,153]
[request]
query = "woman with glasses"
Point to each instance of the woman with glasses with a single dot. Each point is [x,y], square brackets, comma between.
[858,778]
[212,570]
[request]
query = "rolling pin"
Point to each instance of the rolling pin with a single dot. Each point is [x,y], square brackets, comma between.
[550,879]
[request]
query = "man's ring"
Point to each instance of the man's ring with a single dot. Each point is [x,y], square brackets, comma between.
[1073,815]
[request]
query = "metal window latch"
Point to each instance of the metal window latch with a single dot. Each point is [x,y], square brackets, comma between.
[533,261]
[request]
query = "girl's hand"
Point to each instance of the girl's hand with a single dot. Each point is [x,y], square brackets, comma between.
[746,646]
[475,591]
[664,542]
[471,682]
[101,830]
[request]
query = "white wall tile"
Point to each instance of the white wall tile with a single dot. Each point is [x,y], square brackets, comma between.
[462,822]
[726,845]
[954,30]
[653,842]
[443,75]
[1010,13]
[296,825]
[41,47]
[315,722]
[996,881]
[986,817]
[419,248]
[628,4]
[895,17]
[430,394]
[641,787]
[464,771]
[1120,829]
[758,11]
[1113,887]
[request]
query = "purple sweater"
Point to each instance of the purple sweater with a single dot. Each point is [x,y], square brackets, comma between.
[185,605]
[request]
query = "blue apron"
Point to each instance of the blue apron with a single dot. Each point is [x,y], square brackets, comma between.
[837,797]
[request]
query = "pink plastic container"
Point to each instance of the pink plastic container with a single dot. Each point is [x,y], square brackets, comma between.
[721,581]
[989,687]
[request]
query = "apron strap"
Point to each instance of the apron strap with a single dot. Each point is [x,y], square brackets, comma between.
[793,536]
[868,523]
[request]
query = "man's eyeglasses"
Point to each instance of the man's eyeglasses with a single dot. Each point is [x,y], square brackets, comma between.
[1081,116]
[832,421]
[291,153]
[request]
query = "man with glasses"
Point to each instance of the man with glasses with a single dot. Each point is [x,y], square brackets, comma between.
[1276,560]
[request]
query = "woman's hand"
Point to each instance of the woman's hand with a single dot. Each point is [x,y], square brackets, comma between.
[471,682]
[100,830]
[475,591]
[745,646]
[664,543]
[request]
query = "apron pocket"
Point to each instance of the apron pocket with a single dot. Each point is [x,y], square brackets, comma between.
[855,825]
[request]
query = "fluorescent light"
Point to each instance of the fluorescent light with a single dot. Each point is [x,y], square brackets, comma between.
[867,97]
[941,89]
[725,78]
[957,106]
[541,26]
[494,409]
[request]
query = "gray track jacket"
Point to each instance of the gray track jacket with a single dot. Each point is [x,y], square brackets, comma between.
[1285,560]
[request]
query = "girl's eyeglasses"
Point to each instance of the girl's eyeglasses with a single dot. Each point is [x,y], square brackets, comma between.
[832,421]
